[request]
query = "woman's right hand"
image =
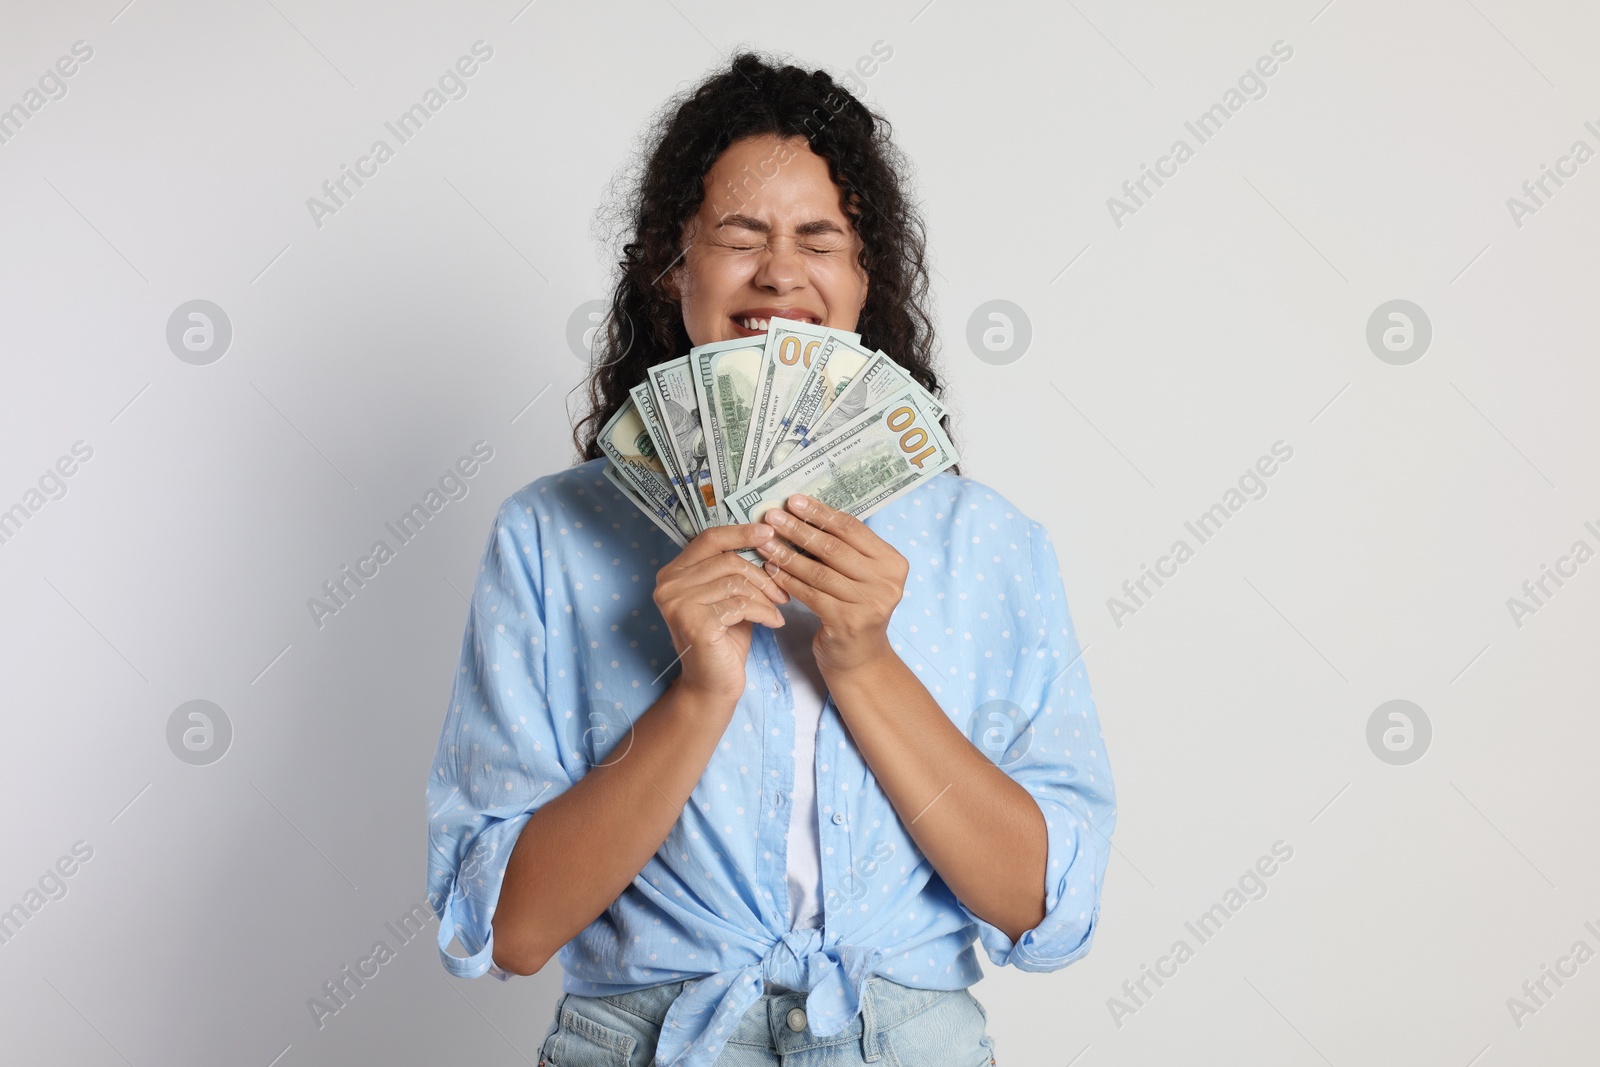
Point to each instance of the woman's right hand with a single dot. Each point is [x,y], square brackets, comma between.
[708,596]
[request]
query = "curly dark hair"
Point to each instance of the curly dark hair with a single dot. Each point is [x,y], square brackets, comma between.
[751,97]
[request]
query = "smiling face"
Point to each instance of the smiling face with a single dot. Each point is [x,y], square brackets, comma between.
[770,239]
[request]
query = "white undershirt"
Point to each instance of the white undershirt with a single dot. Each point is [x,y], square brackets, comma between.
[805,854]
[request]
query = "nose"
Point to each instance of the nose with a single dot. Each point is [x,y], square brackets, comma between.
[781,270]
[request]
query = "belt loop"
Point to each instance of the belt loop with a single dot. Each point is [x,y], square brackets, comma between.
[869,1021]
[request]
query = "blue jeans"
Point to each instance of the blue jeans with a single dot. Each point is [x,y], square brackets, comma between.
[898,1027]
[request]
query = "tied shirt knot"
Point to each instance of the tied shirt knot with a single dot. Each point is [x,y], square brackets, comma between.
[709,1009]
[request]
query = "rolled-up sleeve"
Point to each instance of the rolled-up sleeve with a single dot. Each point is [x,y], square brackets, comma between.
[498,759]
[1063,766]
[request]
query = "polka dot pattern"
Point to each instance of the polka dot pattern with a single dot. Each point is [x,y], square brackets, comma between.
[564,649]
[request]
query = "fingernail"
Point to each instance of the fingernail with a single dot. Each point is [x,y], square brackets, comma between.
[772,569]
[767,546]
[777,518]
[799,503]
[763,530]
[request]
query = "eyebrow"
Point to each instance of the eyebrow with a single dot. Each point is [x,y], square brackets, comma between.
[805,229]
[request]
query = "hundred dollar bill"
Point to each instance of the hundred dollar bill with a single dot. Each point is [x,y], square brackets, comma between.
[630,448]
[887,450]
[663,520]
[810,397]
[645,400]
[790,348]
[673,388]
[725,374]
[880,377]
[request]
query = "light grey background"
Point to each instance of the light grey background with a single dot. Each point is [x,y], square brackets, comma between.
[1167,354]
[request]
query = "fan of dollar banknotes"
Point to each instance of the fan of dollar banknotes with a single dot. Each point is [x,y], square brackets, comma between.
[736,427]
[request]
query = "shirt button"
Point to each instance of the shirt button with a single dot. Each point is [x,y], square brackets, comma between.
[797,1019]
[838,818]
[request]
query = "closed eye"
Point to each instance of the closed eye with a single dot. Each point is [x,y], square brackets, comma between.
[813,247]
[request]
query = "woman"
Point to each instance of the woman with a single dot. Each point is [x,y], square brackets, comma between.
[763,809]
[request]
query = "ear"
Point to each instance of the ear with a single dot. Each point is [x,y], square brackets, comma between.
[671,280]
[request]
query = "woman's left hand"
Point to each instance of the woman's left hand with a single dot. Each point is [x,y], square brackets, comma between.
[852,585]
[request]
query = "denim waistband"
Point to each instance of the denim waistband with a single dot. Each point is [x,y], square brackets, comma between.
[884,1005]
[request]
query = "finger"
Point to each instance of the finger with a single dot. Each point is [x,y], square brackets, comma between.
[821,604]
[814,573]
[821,544]
[730,611]
[720,539]
[729,565]
[732,585]
[843,525]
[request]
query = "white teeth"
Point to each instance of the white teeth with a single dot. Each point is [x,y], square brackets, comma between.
[762,324]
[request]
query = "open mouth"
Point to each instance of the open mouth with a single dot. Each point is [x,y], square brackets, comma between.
[755,322]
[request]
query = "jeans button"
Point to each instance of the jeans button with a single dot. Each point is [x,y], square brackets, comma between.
[797,1019]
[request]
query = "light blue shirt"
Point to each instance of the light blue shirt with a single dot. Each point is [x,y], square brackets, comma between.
[564,648]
